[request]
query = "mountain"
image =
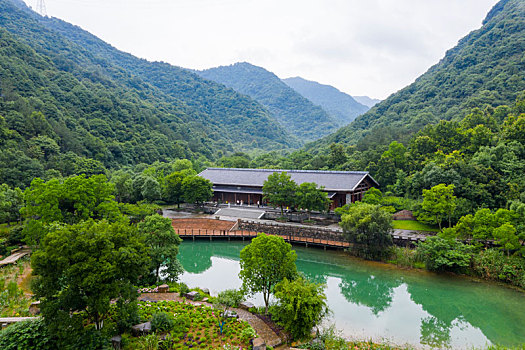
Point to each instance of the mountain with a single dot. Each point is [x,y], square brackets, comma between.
[339,105]
[367,101]
[485,68]
[298,115]
[70,101]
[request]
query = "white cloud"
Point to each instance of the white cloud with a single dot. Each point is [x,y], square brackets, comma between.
[372,47]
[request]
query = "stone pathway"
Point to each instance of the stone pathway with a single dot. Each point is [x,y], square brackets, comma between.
[262,329]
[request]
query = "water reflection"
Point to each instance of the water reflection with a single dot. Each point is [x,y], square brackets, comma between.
[378,301]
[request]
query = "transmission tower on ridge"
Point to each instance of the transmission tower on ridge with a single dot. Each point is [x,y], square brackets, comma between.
[41,8]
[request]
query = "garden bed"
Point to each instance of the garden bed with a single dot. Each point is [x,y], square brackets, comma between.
[196,327]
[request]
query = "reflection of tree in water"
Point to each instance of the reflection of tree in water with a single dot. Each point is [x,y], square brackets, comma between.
[196,256]
[435,332]
[497,312]
[367,290]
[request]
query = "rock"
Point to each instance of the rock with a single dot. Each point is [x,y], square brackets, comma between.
[230,314]
[259,344]
[206,291]
[141,329]
[116,342]
[204,300]
[246,305]
[164,288]
[191,295]
[34,308]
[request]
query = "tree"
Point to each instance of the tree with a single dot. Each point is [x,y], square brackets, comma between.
[82,267]
[438,203]
[11,201]
[75,199]
[197,189]
[301,306]
[279,189]
[507,238]
[266,261]
[150,189]
[369,227]
[372,196]
[164,243]
[173,191]
[309,197]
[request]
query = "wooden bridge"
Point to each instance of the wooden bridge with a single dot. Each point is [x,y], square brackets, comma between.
[242,234]
[203,228]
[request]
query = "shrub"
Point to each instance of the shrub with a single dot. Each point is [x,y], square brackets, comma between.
[27,335]
[183,288]
[495,265]
[162,322]
[442,254]
[247,334]
[406,257]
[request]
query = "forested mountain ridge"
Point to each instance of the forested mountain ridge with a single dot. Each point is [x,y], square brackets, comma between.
[343,107]
[298,115]
[69,107]
[485,68]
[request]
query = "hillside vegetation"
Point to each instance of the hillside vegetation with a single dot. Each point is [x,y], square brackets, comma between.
[485,68]
[71,103]
[344,108]
[298,115]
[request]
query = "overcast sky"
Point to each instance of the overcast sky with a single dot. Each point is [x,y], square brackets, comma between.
[362,47]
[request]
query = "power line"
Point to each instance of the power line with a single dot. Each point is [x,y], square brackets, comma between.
[41,8]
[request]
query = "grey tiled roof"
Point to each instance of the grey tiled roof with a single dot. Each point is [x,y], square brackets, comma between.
[331,180]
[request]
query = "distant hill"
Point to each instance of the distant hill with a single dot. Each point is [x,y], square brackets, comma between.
[341,106]
[67,96]
[486,67]
[298,115]
[367,101]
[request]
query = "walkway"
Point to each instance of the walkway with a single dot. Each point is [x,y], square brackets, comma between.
[13,258]
[243,213]
[262,329]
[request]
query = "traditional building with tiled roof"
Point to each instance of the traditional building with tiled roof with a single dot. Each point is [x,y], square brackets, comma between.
[245,185]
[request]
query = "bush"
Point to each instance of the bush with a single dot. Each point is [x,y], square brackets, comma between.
[162,322]
[406,257]
[27,335]
[442,254]
[230,297]
[183,288]
[493,264]
[247,334]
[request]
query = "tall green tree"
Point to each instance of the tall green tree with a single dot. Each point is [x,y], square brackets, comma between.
[173,191]
[164,243]
[438,204]
[197,189]
[369,228]
[279,189]
[301,305]
[266,261]
[309,197]
[82,267]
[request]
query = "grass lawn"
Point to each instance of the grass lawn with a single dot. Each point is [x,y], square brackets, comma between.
[413,225]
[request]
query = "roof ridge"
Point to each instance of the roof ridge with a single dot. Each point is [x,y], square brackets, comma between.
[295,171]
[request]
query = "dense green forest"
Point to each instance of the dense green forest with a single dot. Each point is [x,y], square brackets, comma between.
[298,115]
[344,108]
[68,107]
[485,68]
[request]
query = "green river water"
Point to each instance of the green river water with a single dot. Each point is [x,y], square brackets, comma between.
[380,302]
